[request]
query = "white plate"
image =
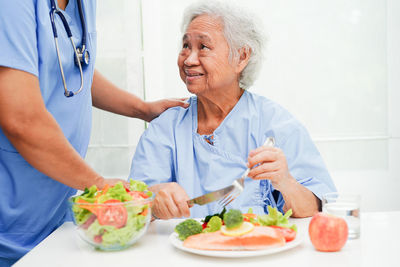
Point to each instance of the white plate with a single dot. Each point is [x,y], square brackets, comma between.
[176,242]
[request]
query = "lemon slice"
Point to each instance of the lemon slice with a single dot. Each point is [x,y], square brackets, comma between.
[245,228]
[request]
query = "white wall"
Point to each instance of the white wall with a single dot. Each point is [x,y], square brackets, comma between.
[119,58]
[393,37]
[333,64]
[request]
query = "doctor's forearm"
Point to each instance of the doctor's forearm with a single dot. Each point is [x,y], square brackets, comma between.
[47,150]
[107,96]
[35,134]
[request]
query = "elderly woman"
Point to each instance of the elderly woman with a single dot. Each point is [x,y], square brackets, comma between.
[189,152]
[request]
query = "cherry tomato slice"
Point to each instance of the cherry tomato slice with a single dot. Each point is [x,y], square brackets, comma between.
[98,239]
[288,233]
[88,222]
[138,194]
[127,189]
[114,215]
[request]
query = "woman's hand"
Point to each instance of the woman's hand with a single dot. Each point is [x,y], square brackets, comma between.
[154,109]
[270,163]
[272,166]
[170,201]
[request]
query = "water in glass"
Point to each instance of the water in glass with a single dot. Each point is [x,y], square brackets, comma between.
[349,211]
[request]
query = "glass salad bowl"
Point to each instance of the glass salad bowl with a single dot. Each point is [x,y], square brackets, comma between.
[113,218]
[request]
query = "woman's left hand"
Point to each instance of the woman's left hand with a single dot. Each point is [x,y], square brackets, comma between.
[272,166]
[155,108]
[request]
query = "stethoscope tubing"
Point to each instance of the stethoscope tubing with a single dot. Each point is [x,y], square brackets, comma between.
[84,32]
[53,12]
[66,92]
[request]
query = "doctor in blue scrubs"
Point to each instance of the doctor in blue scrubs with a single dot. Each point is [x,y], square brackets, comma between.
[186,153]
[44,131]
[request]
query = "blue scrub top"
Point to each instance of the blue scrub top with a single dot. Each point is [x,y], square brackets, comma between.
[32,205]
[171,150]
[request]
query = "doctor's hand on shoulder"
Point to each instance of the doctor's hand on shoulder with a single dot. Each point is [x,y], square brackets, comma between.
[157,107]
[107,96]
[170,201]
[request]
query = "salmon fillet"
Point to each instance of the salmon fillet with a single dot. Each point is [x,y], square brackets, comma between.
[260,238]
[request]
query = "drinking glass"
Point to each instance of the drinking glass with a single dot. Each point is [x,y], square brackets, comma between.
[344,205]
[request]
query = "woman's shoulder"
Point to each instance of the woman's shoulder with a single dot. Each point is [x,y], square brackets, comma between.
[265,105]
[274,117]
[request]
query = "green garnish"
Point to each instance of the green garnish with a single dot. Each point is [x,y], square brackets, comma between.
[274,217]
[233,219]
[213,225]
[187,228]
[221,215]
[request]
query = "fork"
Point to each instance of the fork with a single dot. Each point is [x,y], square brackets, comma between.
[238,184]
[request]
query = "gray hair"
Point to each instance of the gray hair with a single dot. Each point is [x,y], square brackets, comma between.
[241,30]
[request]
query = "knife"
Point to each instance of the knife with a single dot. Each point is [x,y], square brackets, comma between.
[210,197]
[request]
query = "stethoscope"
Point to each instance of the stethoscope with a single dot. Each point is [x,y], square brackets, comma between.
[82,56]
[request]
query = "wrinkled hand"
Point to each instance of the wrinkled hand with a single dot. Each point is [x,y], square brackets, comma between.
[170,201]
[155,108]
[272,165]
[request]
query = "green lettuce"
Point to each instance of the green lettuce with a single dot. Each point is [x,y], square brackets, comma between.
[88,195]
[275,217]
[81,215]
[125,234]
[117,192]
[137,186]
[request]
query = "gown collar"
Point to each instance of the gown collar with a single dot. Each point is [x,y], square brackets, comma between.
[220,127]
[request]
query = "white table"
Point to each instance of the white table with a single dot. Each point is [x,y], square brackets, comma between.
[379,245]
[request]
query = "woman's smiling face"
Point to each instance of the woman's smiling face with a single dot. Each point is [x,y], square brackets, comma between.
[203,60]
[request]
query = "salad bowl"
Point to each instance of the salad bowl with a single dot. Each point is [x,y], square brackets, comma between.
[113,218]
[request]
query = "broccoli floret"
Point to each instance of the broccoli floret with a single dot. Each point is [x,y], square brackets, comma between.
[213,225]
[221,215]
[187,228]
[233,219]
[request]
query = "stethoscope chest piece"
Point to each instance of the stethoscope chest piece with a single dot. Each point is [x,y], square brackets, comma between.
[84,57]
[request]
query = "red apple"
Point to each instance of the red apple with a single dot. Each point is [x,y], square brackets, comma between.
[328,232]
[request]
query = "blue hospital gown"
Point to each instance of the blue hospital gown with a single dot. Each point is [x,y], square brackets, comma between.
[171,150]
